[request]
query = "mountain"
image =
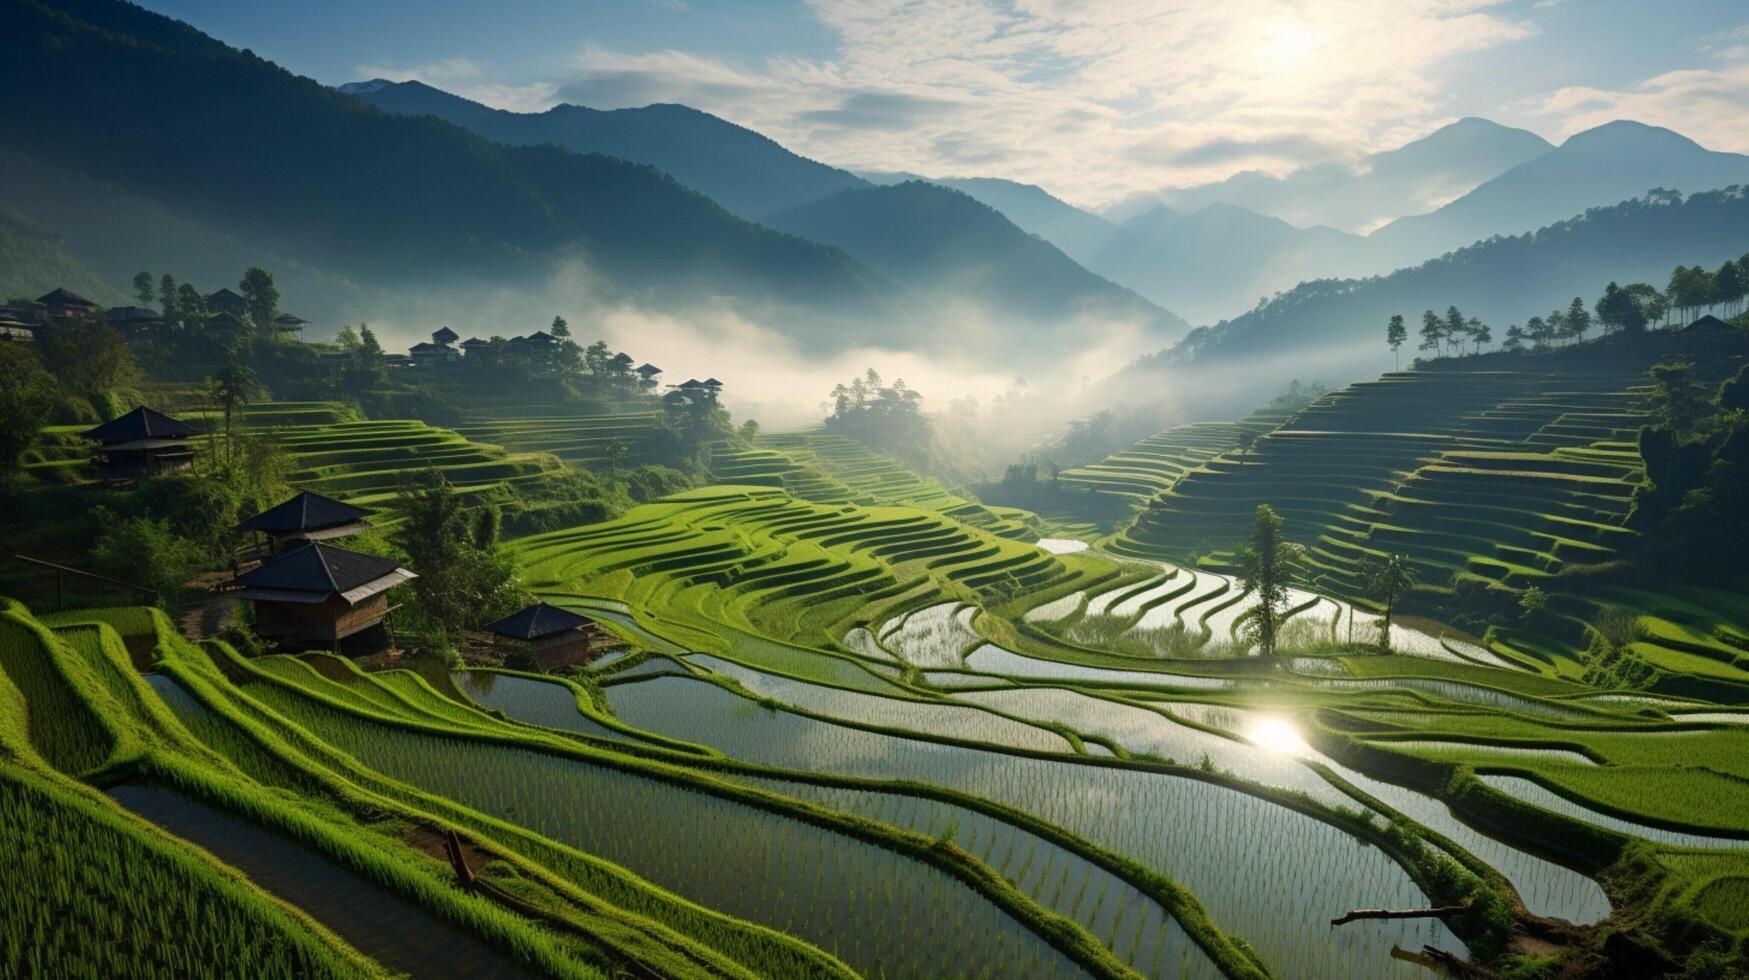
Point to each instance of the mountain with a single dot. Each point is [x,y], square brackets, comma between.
[943,246]
[738,168]
[1411,179]
[220,139]
[32,262]
[1610,163]
[1334,329]
[1220,258]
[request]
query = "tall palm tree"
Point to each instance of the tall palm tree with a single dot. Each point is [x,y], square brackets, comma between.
[233,386]
[1386,581]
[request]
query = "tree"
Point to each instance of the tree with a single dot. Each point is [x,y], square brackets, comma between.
[90,358]
[1387,581]
[1730,285]
[1481,333]
[1678,401]
[1395,334]
[346,339]
[167,297]
[143,287]
[1620,311]
[27,397]
[1247,441]
[464,578]
[233,386]
[1432,331]
[1266,564]
[1537,329]
[1690,289]
[561,329]
[1455,329]
[1532,602]
[1514,339]
[190,306]
[261,297]
[616,452]
[1578,320]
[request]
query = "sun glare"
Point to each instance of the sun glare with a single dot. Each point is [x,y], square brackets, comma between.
[1288,43]
[1277,735]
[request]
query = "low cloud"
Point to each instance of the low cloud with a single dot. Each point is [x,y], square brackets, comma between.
[876,110]
[1709,105]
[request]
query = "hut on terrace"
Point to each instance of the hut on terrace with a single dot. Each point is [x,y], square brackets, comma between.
[444,336]
[548,637]
[289,326]
[226,301]
[142,443]
[307,517]
[473,344]
[132,319]
[65,303]
[316,595]
[648,371]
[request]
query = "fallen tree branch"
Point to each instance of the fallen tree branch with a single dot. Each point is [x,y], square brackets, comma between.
[1397,913]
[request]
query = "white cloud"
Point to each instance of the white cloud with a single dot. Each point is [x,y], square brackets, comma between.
[1709,105]
[467,79]
[1094,100]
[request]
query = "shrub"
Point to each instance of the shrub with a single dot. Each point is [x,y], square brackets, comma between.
[145,552]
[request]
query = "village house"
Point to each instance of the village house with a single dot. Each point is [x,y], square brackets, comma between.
[315,595]
[226,301]
[289,327]
[548,637]
[307,517]
[142,443]
[66,305]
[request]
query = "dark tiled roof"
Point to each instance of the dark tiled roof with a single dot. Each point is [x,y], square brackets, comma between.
[141,423]
[224,300]
[1709,322]
[288,320]
[64,297]
[445,335]
[541,337]
[473,342]
[712,383]
[304,512]
[537,621]
[132,314]
[690,383]
[648,370]
[318,568]
[424,346]
[620,358]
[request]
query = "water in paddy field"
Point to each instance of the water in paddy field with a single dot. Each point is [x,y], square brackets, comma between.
[1537,794]
[934,636]
[1265,873]
[1062,546]
[544,703]
[394,932]
[992,659]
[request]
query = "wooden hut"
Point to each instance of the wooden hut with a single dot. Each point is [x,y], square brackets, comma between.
[65,304]
[307,517]
[227,301]
[316,595]
[289,326]
[142,443]
[550,636]
[444,336]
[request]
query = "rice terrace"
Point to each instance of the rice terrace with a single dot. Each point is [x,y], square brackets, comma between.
[469,521]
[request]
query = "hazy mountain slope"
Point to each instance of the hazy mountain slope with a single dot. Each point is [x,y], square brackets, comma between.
[1337,326]
[33,262]
[1221,258]
[232,141]
[1079,234]
[1610,163]
[1411,179]
[941,244]
[738,168]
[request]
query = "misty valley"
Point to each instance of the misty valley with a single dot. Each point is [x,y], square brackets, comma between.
[483,521]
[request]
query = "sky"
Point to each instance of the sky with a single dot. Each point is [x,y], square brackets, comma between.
[1094,101]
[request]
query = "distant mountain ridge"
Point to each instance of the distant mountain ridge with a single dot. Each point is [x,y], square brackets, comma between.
[738,168]
[323,180]
[942,244]
[1334,328]
[1410,179]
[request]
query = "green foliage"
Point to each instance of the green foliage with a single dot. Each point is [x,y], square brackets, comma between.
[461,583]
[886,418]
[146,552]
[89,358]
[27,396]
[1266,568]
[1388,580]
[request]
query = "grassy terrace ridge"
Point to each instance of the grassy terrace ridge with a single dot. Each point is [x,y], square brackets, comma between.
[833,468]
[1483,478]
[758,559]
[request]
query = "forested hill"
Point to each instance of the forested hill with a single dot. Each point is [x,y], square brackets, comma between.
[126,96]
[32,263]
[1500,280]
[738,168]
[941,244]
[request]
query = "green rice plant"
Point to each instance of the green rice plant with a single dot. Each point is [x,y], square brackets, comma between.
[107,897]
